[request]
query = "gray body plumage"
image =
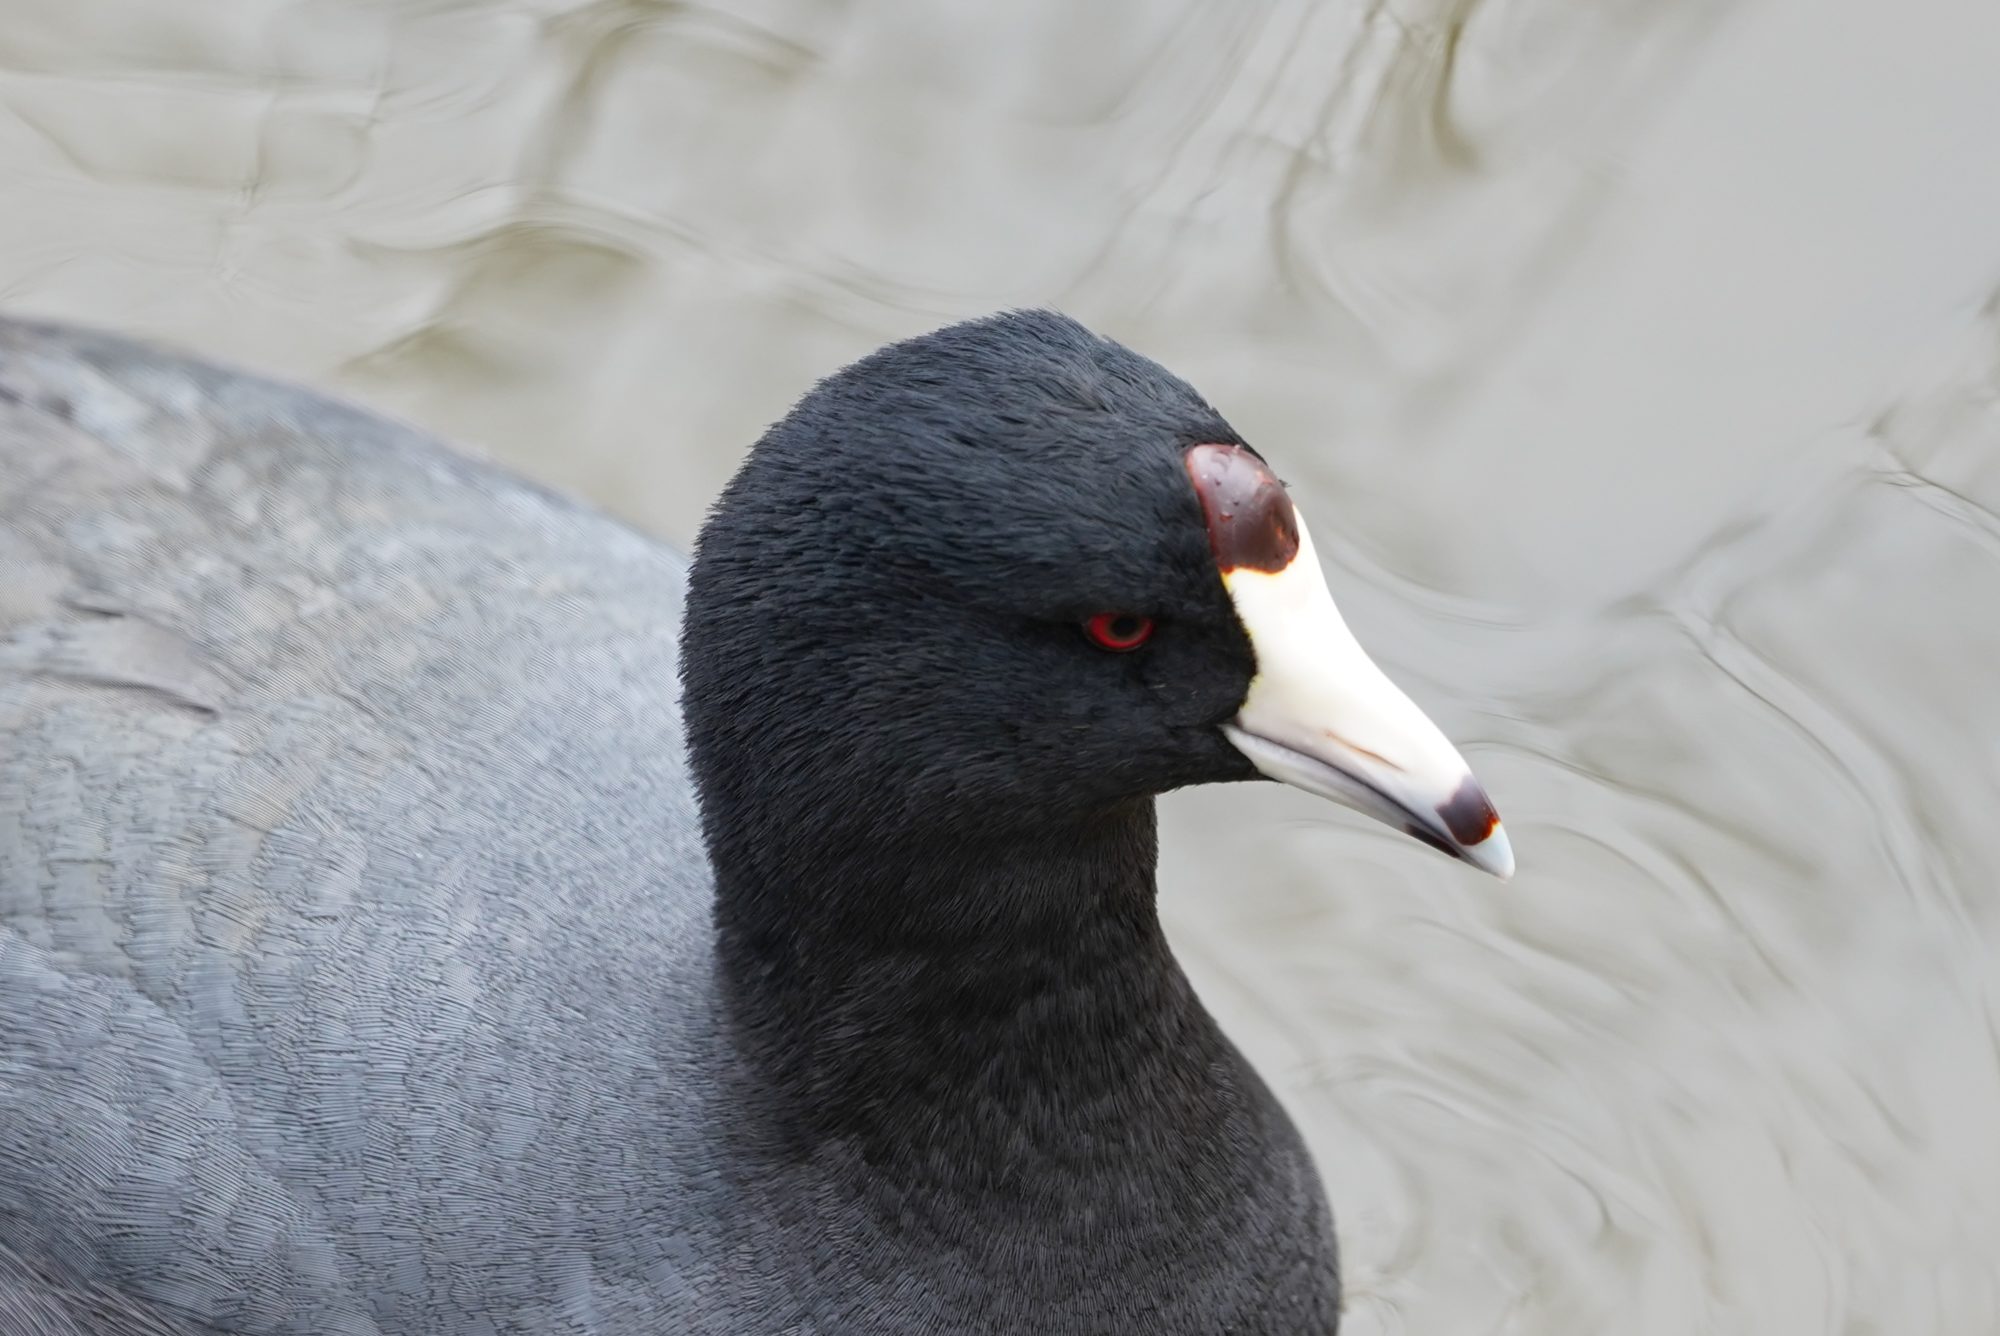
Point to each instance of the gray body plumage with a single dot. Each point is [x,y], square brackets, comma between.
[353,922]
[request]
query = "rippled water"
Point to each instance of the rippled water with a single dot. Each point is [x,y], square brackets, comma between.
[1639,363]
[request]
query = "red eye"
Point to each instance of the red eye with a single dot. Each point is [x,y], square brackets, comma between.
[1120,631]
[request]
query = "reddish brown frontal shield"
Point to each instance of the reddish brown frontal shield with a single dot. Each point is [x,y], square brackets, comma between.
[1250,518]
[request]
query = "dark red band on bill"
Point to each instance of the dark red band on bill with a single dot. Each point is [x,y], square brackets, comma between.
[1468,815]
[1250,518]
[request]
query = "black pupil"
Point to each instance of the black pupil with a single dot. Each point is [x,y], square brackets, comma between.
[1126,627]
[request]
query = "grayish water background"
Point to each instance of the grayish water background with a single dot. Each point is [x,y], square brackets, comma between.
[1639,364]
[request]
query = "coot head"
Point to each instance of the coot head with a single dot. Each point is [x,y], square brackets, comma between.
[1011,578]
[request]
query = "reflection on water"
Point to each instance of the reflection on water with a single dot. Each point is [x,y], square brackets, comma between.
[1641,359]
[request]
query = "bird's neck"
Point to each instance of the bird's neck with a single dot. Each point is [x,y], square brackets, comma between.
[909,998]
[989,1053]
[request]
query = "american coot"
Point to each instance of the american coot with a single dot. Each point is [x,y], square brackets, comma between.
[385,950]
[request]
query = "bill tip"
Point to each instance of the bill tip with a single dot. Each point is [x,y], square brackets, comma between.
[1494,854]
